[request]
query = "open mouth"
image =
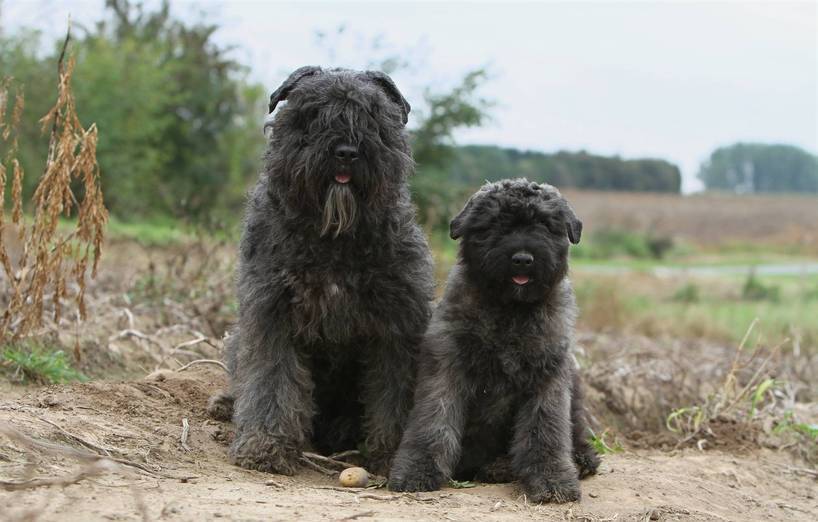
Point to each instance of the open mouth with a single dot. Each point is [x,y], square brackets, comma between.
[343,177]
[520,280]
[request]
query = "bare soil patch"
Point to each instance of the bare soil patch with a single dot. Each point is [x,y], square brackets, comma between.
[141,422]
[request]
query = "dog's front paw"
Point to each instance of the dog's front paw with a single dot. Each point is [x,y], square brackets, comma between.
[587,463]
[262,452]
[415,475]
[559,488]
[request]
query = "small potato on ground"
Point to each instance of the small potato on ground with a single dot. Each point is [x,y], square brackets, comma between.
[354,478]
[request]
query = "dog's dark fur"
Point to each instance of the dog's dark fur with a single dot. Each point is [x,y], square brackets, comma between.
[498,393]
[334,280]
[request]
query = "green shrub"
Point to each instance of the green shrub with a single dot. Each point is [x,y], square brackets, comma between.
[688,293]
[610,243]
[755,290]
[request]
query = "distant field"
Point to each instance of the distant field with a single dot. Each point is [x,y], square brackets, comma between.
[724,221]
[623,287]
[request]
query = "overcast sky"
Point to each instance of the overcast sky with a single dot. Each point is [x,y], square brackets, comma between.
[669,80]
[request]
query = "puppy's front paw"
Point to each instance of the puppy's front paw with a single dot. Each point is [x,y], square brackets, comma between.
[378,463]
[559,488]
[416,482]
[587,463]
[415,475]
[262,452]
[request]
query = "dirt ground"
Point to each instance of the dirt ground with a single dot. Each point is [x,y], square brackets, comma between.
[140,423]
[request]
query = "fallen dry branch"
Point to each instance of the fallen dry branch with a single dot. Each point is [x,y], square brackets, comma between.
[135,333]
[341,455]
[185,432]
[327,461]
[67,451]
[317,467]
[94,469]
[77,438]
[202,361]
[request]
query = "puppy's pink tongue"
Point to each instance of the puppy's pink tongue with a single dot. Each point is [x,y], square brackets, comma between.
[343,178]
[520,279]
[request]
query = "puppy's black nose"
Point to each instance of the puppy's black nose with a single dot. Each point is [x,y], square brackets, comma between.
[522,259]
[346,153]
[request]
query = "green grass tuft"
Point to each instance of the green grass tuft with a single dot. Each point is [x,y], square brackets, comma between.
[788,424]
[461,484]
[36,364]
[602,446]
[688,293]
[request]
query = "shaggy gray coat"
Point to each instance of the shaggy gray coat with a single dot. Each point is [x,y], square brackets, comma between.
[335,278]
[498,394]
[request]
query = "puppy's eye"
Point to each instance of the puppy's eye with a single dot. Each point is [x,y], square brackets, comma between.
[553,225]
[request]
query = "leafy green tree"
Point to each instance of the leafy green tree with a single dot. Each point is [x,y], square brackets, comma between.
[474,164]
[186,110]
[433,147]
[755,167]
[179,123]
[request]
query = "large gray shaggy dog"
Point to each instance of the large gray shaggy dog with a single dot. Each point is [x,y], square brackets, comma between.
[334,279]
[498,395]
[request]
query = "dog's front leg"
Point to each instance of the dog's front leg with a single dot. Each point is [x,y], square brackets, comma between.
[273,401]
[388,387]
[431,445]
[541,449]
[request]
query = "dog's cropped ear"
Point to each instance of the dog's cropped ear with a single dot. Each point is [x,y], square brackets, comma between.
[391,90]
[282,92]
[573,226]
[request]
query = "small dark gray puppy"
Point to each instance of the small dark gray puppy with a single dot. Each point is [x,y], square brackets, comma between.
[498,395]
[335,278]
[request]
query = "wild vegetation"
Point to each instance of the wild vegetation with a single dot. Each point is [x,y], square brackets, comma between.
[686,340]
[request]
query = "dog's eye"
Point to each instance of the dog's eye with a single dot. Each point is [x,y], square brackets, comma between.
[481,234]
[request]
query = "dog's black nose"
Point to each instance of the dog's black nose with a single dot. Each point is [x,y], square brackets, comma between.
[522,259]
[346,153]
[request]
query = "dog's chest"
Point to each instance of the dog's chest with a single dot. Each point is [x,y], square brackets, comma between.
[338,302]
[509,356]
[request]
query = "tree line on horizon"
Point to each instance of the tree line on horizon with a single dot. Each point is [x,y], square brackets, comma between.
[179,127]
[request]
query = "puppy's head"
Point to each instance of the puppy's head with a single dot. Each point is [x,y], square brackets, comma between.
[337,143]
[515,237]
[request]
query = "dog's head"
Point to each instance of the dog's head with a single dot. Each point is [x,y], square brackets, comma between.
[338,145]
[515,237]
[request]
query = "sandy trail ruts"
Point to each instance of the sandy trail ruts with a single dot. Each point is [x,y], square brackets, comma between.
[141,422]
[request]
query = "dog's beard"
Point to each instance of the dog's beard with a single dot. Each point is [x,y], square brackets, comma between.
[340,211]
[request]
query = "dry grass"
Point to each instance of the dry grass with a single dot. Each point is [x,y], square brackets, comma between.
[714,220]
[38,272]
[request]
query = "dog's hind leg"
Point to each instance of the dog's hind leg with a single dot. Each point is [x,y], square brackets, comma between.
[585,456]
[220,404]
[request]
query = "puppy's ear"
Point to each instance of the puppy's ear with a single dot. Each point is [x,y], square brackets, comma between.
[391,90]
[289,84]
[573,226]
[457,227]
